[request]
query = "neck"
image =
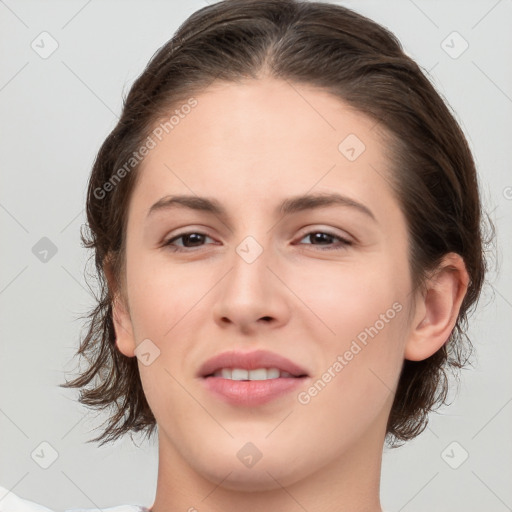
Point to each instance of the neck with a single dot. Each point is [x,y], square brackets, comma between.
[349,483]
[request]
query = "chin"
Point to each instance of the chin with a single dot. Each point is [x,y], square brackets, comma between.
[267,477]
[269,473]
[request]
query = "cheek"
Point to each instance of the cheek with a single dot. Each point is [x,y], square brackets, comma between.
[357,382]
[350,297]
[365,312]
[337,300]
[162,297]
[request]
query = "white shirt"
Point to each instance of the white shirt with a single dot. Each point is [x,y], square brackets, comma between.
[9,502]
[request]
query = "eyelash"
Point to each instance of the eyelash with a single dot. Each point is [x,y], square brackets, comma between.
[344,243]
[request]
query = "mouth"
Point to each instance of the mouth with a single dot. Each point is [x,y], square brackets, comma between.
[251,378]
[256,374]
[254,365]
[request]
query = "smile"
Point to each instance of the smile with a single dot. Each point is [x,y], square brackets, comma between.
[256,374]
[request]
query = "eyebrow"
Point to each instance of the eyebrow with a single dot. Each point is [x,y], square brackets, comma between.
[288,206]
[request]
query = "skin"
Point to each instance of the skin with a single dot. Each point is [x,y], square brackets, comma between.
[250,146]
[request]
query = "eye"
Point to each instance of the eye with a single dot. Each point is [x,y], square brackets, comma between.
[190,240]
[324,238]
[193,239]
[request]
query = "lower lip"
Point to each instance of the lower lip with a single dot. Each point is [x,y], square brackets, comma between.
[251,392]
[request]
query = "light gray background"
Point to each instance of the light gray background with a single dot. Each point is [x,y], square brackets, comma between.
[55,112]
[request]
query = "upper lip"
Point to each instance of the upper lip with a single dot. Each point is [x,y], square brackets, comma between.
[250,361]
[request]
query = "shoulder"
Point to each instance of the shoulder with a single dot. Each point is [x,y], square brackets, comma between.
[10,502]
[119,508]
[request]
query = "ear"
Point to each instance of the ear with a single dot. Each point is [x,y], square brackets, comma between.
[125,340]
[437,308]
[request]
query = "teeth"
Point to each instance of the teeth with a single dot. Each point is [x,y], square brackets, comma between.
[273,373]
[226,373]
[260,374]
[256,374]
[239,374]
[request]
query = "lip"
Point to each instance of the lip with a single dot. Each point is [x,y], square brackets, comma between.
[251,393]
[250,361]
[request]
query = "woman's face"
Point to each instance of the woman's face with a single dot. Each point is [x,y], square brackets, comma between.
[260,278]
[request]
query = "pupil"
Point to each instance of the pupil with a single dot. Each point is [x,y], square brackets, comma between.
[197,237]
[320,236]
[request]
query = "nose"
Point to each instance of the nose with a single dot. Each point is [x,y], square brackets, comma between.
[252,296]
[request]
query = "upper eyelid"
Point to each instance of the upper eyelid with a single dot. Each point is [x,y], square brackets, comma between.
[305,231]
[200,228]
[329,231]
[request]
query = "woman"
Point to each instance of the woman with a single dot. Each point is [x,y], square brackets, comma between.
[287,224]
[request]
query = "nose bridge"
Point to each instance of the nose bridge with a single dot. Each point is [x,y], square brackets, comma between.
[249,276]
[250,291]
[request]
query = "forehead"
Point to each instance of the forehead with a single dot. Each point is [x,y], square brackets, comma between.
[262,138]
[258,117]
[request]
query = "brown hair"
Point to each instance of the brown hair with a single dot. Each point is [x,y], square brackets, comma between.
[362,63]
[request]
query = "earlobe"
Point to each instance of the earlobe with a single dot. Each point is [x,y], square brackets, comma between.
[437,314]
[125,340]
